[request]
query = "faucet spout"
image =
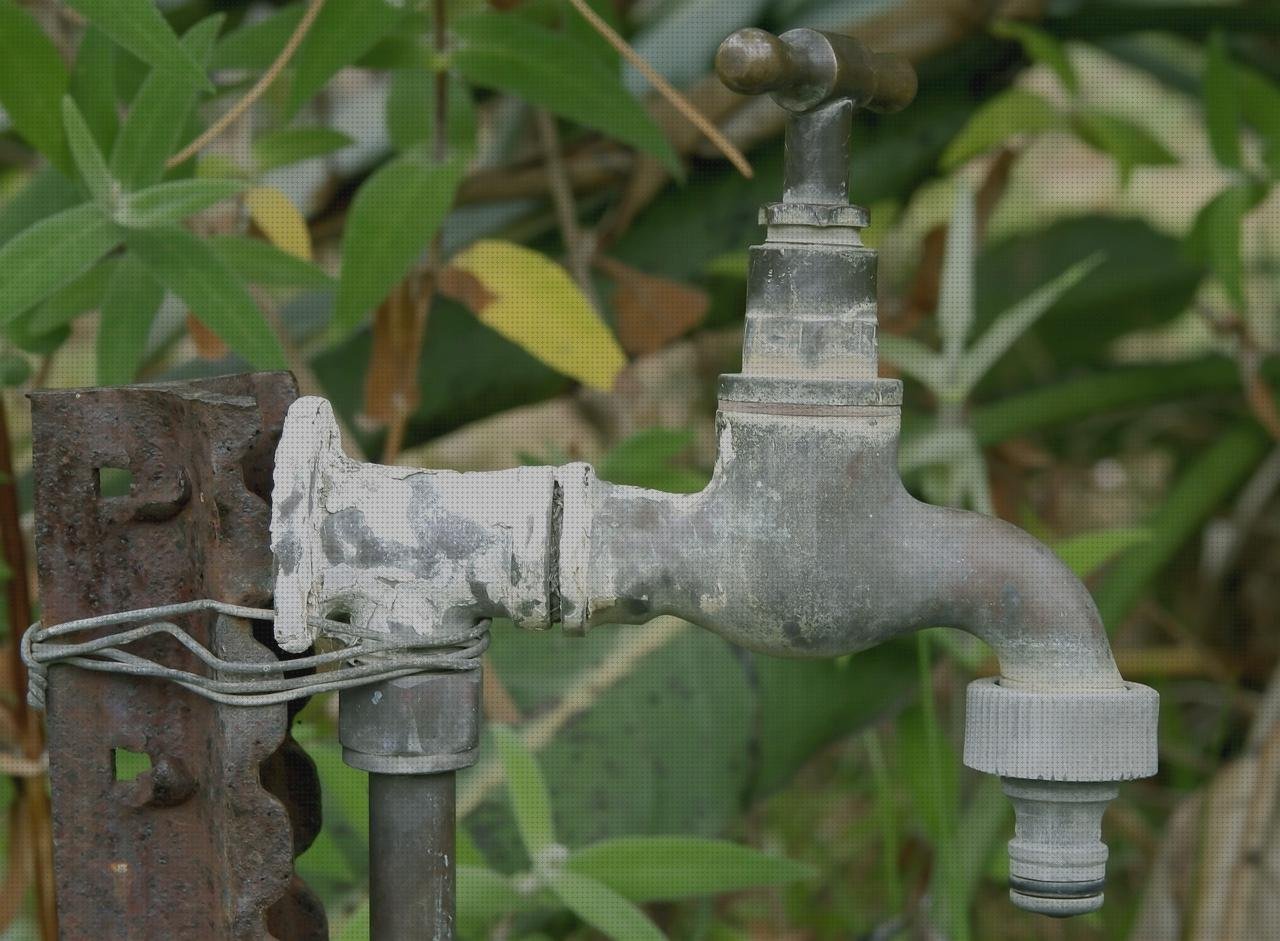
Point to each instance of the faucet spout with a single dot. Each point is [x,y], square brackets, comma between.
[989,578]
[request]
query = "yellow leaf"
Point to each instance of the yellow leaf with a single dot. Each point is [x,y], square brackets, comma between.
[533,302]
[278,218]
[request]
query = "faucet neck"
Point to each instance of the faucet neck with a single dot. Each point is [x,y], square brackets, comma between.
[816,168]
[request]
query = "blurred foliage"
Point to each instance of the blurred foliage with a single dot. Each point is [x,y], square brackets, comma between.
[476,230]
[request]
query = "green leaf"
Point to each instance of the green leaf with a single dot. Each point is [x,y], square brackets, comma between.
[1212,478]
[93,86]
[90,163]
[47,191]
[173,201]
[411,106]
[138,26]
[1129,145]
[186,266]
[914,359]
[19,333]
[343,31]
[159,113]
[33,79]
[356,927]
[255,45]
[1215,236]
[955,292]
[1145,283]
[128,308]
[603,909]
[392,219]
[549,69]
[530,799]
[1260,102]
[644,460]
[1013,323]
[666,868]
[968,854]
[583,33]
[1222,104]
[288,145]
[1012,112]
[886,814]
[14,371]
[257,262]
[1040,47]
[1087,552]
[50,255]
[82,294]
[485,896]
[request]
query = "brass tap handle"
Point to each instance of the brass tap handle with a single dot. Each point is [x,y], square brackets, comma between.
[804,69]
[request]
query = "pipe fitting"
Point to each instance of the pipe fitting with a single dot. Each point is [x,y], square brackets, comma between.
[1060,754]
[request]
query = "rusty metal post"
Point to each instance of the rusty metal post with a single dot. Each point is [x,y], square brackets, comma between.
[200,845]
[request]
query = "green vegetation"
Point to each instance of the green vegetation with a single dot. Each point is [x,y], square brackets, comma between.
[476,230]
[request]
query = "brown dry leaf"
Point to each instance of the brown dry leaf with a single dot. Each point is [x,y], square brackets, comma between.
[391,383]
[208,344]
[651,311]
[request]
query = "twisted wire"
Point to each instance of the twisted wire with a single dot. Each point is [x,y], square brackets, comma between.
[237,682]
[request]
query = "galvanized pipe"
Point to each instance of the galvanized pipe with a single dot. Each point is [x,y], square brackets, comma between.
[412,862]
[411,734]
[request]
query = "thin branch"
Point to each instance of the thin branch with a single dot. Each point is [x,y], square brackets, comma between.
[579,246]
[418,290]
[33,802]
[665,88]
[234,113]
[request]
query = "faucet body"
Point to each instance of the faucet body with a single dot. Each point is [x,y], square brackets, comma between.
[805,543]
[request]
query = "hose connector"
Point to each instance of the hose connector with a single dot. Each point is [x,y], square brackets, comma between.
[1061,755]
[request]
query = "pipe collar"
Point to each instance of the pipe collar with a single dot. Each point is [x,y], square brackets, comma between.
[1105,734]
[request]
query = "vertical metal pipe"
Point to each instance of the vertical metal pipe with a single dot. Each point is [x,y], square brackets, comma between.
[411,734]
[412,862]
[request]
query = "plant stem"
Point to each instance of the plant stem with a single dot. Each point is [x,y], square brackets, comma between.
[665,88]
[420,285]
[31,794]
[578,246]
[885,817]
[259,88]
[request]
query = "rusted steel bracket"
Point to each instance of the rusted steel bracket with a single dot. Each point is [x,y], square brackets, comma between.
[201,845]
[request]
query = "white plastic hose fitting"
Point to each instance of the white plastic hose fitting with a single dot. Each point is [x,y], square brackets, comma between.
[1060,754]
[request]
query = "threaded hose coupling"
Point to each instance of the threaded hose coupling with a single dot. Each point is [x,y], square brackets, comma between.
[1061,755]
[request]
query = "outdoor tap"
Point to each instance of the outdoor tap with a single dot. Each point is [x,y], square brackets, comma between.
[805,543]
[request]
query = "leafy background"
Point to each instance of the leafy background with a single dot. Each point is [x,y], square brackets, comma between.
[481,233]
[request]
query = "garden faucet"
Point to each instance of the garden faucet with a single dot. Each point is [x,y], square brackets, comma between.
[805,543]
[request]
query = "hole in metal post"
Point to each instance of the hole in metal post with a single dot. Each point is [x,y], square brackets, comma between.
[126,765]
[114,481]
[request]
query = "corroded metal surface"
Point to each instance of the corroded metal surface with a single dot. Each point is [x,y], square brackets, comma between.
[197,846]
